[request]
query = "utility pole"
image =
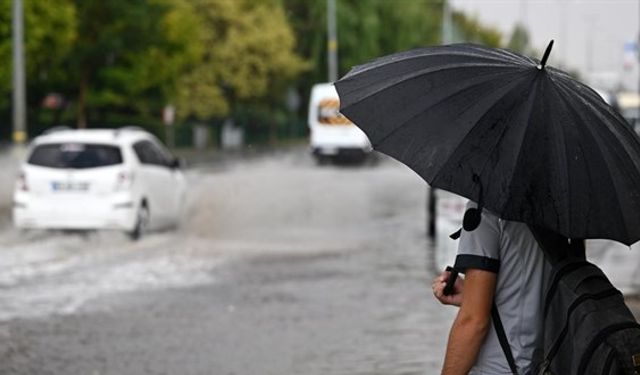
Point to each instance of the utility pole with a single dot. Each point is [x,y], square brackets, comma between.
[332,41]
[447,23]
[590,41]
[432,198]
[19,134]
[564,22]
[523,13]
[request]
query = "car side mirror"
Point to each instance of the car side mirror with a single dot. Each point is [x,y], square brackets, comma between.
[177,163]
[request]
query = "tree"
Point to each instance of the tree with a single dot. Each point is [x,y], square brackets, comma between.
[366,29]
[50,30]
[519,40]
[469,29]
[124,52]
[248,56]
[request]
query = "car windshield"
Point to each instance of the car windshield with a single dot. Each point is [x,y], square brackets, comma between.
[75,155]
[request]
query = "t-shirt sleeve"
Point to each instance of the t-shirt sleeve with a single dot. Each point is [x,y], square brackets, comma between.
[480,248]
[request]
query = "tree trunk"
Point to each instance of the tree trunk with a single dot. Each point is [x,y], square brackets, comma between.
[82,100]
[273,128]
[273,132]
[431,212]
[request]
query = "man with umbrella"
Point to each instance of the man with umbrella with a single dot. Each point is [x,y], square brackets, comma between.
[536,149]
[495,248]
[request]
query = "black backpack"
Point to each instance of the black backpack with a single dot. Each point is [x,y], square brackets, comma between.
[587,328]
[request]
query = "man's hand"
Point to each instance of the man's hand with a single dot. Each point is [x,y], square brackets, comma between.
[438,285]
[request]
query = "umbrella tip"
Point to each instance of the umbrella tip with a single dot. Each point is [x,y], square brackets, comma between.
[543,62]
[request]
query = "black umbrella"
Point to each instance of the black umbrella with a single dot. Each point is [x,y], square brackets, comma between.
[525,140]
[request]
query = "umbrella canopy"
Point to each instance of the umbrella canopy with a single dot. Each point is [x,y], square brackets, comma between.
[526,140]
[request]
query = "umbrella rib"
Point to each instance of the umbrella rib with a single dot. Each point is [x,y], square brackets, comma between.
[470,129]
[428,70]
[394,130]
[566,165]
[501,54]
[385,61]
[520,151]
[563,94]
[504,130]
[627,136]
[591,99]
[605,112]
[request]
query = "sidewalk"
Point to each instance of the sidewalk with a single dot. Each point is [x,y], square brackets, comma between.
[194,157]
[621,264]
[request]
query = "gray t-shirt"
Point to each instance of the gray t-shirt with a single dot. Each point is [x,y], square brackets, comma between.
[509,249]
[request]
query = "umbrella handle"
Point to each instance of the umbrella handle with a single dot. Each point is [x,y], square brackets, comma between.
[448,289]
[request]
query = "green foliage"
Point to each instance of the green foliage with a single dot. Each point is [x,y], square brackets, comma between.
[128,51]
[469,29]
[248,56]
[50,30]
[519,40]
[366,29]
[209,58]
[371,28]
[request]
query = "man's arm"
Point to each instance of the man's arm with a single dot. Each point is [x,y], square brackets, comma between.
[472,323]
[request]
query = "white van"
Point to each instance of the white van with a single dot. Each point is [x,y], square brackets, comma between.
[629,107]
[332,134]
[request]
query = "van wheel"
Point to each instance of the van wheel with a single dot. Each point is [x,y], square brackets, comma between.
[323,160]
[142,221]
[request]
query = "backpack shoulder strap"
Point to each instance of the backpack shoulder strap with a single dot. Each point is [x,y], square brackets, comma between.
[502,337]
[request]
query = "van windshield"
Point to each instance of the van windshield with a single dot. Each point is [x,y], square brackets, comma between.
[632,115]
[75,155]
[329,112]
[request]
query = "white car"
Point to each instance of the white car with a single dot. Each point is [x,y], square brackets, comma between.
[122,179]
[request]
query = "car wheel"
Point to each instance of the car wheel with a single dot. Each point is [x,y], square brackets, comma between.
[142,221]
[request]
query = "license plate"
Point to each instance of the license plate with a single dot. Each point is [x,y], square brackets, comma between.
[330,151]
[69,186]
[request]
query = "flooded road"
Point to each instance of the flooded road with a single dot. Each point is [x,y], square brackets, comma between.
[280,267]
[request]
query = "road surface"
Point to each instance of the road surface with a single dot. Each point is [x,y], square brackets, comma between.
[281,267]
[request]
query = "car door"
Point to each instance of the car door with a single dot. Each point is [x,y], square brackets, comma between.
[154,175]
[173,181]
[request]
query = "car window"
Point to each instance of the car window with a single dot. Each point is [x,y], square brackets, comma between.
[75,155]
[163,155]
[148,153]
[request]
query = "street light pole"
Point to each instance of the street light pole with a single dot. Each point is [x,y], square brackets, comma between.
[332,41]
[447,23]
[590,41]
[19,134]
[564,21]
[432,197]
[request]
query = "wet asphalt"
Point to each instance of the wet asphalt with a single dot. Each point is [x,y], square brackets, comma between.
[281,267]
